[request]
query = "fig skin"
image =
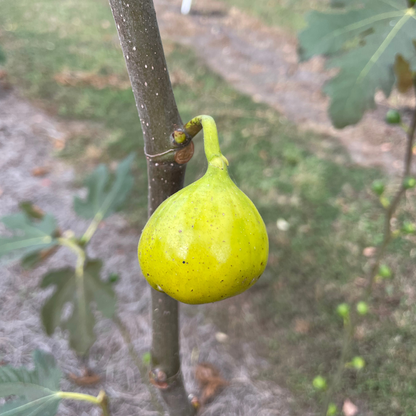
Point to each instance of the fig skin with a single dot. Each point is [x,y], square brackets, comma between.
[207,242]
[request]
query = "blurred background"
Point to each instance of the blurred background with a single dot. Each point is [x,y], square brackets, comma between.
[236,60]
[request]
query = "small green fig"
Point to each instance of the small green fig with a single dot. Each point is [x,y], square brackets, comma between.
[358,363]
[343,310]
[409,182]
[384,271]
[378,187]
[362,308]
[408,228]
[393,117]
[332,409]
[207,242]
[319,383]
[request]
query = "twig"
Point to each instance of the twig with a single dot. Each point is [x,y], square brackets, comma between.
[393,206]
[348,334]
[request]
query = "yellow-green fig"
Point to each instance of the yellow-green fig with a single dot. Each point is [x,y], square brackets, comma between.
[207,242]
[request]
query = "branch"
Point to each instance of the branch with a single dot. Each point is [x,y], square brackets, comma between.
[166,161]
[394,204]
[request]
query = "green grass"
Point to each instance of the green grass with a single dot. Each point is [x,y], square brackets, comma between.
[305,179]
[288,14]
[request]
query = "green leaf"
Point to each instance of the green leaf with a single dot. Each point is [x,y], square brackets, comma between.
[80,291]
[105,196]
[363,43]
[36,392]
[29,237]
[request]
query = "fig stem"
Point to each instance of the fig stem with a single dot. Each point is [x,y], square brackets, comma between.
[211,144]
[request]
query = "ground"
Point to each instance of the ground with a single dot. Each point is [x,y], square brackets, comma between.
[283,153]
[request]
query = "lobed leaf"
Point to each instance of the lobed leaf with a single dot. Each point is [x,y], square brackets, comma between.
[29,237]
[81,291]
[34,393]
[363,43]
[105,196]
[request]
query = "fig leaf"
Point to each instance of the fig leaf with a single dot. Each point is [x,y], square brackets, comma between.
[363,43]
[29,237]
[80,291]
[106,196]
[36,392]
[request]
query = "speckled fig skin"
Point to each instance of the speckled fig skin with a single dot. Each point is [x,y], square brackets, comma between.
[205,243]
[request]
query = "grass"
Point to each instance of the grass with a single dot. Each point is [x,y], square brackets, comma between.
[305,179]
[288,14]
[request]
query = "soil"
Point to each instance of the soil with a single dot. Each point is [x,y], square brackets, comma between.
[262,62]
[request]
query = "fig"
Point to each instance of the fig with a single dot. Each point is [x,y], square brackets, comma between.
[207,242]
[378,187]
[393,117]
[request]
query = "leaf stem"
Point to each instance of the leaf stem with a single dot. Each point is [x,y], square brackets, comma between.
[92,228]
[101,400]
[78,396]
[79,251]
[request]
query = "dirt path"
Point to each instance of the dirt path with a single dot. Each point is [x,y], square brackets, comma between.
[27,136]
[262,62]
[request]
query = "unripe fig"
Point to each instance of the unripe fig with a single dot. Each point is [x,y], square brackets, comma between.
[332,409]
[358,363]
[319,383]
[362,308]
[393,117]
[378,187]
[408,228]
[409,182]
[207,242]
[384,271]
[343,310]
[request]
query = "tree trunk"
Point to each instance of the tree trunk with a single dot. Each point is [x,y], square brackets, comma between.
[143,52]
